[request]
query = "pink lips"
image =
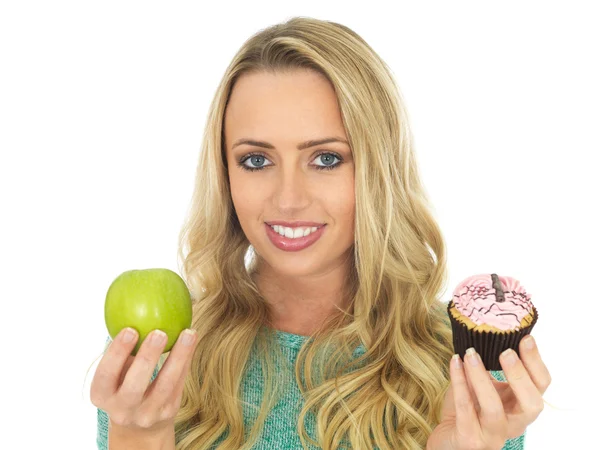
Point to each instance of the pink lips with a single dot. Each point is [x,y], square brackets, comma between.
[296,224]
[293,245]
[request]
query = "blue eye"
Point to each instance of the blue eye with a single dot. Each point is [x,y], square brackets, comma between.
[259,157]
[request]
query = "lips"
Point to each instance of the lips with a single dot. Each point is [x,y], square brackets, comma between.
[296,224]
[293,245]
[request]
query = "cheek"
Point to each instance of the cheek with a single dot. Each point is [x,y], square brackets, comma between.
[341,204]
[238,197]
[248,202]
[243,203]
[239,190]
[347,201]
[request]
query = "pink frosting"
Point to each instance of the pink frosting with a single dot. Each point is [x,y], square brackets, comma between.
[475,298]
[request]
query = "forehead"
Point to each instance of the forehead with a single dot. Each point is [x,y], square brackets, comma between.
[286,106]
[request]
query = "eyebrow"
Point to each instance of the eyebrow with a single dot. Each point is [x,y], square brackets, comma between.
[301,146]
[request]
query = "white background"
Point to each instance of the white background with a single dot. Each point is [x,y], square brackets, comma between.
[102,106]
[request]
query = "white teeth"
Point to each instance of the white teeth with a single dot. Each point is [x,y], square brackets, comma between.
[294,233]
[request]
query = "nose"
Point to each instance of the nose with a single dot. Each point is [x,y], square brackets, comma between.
[292,191]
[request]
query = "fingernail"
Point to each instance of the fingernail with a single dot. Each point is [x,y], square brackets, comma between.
[509,357]
[472,356]
[128,335]
[456,362]
[528,342]
[158,338]
[188,336]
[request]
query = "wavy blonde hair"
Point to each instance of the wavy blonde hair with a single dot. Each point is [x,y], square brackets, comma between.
[392,395]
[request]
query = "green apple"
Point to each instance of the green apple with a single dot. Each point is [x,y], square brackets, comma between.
[146,300]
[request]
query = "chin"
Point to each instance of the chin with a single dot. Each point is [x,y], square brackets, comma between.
[292,264]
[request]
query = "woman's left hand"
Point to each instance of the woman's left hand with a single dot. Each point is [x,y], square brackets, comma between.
[482,412]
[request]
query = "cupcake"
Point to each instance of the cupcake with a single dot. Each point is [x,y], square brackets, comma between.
[491,314]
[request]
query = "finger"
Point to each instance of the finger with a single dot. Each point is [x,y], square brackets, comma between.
[139,374]
[467,420]
[173,372]
[526,392]
[128,362]
[473,396]
[178,391]
[107,378]
[531,358]
[491,416]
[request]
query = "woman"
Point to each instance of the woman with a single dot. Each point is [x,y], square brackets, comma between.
[307,167]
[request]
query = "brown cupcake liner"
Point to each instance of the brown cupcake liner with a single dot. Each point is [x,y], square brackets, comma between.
[489,345]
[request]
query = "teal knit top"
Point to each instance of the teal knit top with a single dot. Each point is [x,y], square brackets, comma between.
[279,432]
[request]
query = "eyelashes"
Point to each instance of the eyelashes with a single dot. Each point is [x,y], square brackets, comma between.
[253,169]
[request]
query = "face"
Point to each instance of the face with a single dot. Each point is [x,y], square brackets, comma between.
[314,184]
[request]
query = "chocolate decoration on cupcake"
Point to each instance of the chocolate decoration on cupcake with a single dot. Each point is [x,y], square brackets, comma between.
[497,285]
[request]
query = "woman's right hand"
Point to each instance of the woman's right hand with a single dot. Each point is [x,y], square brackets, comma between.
[121,383]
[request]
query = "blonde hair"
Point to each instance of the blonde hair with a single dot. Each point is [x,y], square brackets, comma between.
[392,397]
